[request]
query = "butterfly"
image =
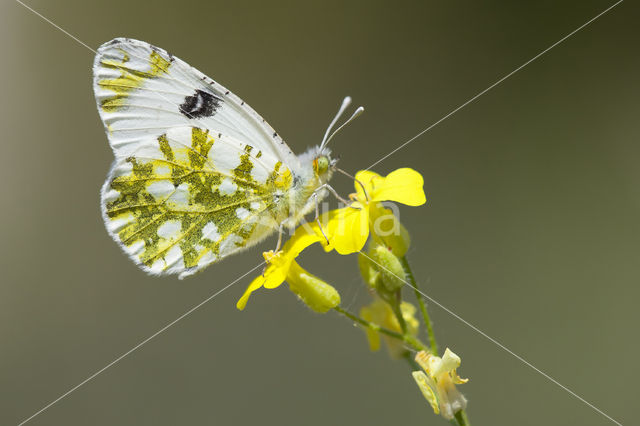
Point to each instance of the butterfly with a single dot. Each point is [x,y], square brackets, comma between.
[198,174]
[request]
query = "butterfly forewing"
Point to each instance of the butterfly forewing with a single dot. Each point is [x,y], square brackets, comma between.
[141,89]
[196,174]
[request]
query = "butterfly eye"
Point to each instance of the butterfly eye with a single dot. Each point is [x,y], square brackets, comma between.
[321,165]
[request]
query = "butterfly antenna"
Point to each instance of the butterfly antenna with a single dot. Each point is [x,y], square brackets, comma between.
[355,114]
[345,103]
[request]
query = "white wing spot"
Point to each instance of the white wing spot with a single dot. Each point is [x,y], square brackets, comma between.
[163,170]
[260,174]
[210,232]
[242,213]
[160,189]
[181,196]
[227,187]
[255,205]
[170,229]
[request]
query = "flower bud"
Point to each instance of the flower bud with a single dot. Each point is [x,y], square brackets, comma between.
[392,273]
[315,293]
[368,270]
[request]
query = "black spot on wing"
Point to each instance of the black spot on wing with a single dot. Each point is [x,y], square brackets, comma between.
[200,104]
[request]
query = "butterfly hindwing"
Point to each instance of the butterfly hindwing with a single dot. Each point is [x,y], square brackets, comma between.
[188,198]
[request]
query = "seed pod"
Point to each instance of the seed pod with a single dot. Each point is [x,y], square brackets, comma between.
[315,293]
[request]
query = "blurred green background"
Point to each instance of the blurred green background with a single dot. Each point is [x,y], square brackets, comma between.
[531,230]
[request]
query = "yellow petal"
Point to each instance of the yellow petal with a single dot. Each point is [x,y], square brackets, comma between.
[255,284]
[280,263]
[304,236]
[457,379]
[449,362]
[423,382]
[403,186]
[276,270]
[370,180]
[275,275]
[425,359]
[347,228]
[409,315]
[373,337]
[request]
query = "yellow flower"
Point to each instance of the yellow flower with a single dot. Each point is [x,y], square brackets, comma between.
[282,266]
[438,384]
[348,228]
[380,313]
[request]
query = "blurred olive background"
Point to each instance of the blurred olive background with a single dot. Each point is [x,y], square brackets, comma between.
[530,233]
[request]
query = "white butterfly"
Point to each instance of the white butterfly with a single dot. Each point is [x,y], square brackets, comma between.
[198,174]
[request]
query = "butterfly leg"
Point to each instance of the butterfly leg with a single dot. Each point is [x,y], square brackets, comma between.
[332,191]
[280,232]
[335,194]
[364,190]
[315,195]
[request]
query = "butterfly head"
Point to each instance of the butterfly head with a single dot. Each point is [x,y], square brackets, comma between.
[320,164]
[323,164]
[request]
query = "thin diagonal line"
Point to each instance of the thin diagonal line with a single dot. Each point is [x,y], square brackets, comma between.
[497,343]
[58,27]
[254,268]
[495,84]
[160,95]
[145,341]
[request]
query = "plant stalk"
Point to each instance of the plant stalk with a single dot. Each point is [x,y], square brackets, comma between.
[409,340]
[423,307]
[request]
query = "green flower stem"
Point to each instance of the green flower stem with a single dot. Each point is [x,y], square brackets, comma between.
[462,419]
[397,310]
[413,365]
[409,340]
[423,306]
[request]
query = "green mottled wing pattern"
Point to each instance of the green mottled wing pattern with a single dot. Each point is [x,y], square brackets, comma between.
[198,175]
[190,198]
